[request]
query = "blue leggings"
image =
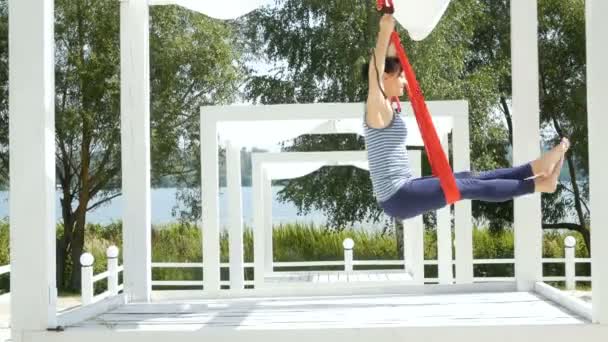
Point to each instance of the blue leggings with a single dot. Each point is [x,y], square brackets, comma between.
[421,195]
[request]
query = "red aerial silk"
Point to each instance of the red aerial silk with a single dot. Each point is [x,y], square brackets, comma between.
[434,151]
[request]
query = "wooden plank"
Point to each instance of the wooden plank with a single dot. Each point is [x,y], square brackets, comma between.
[597,83]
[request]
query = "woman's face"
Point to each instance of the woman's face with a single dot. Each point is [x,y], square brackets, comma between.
[394,84]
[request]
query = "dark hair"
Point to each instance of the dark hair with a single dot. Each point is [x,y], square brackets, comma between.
[392,65]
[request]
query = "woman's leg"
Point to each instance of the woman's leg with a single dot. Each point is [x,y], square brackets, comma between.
[519,173]
[541,166]
[425,194]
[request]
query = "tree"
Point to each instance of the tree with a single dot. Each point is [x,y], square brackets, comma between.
[191,65]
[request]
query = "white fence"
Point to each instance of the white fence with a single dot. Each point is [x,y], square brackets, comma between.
[111,274]
[348,264]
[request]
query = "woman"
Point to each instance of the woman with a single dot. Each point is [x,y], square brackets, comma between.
[400,194]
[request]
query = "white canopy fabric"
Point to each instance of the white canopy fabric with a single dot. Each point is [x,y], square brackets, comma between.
[272,132]
[418,17]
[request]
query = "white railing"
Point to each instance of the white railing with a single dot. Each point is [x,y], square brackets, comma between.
[88,280]
[349,263]
[5,269]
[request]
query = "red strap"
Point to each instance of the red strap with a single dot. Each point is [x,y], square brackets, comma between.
[385,6]
[435,153]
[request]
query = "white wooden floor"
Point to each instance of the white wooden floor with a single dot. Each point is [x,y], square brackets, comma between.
[337,277]
[365,311]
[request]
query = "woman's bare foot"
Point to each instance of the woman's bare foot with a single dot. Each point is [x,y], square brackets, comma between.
[544,165]
[548,184]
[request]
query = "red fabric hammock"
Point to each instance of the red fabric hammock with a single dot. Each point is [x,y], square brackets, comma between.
[435,153]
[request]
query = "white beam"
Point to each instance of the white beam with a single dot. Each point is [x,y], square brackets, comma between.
[257,182]
[32,165]
[235,216]
[597,85]
[210,205]
[267,207]
[322,111]
[135,140]
[463,217]
[526,139]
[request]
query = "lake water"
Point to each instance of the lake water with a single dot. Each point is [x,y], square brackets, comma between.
[164,200]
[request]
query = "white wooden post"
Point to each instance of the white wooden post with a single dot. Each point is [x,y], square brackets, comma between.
[463,217]
[32,165]
[444,237]
[210,206]
[526,139]
[257,182]
[597,83]
[112,255]
[86,278]
[414,227]
[235,216]
[348,244]
[569,249]
[267,207]
[407,248]
[135,140]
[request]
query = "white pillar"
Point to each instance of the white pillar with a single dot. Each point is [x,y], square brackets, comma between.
[257,182]
[444,237]
[463,217]
[526,139]
[597,102]
[32,165]
[414,229]
[235,216]
[210,205]
[135,142]
[267,207]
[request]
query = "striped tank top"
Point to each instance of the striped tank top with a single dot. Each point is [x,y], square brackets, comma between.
[387,156]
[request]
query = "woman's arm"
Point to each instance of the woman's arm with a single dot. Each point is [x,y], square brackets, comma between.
[379,111]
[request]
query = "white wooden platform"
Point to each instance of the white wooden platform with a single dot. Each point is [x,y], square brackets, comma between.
[499,316]
[366,311]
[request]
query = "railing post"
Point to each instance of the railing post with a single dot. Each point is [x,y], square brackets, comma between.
[112,254]
[348,245]
[86,262]
[570,244]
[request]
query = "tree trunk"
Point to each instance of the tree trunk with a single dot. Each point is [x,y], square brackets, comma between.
[77,249]
[507,112]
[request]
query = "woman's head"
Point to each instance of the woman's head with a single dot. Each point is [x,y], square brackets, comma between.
[393,77]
